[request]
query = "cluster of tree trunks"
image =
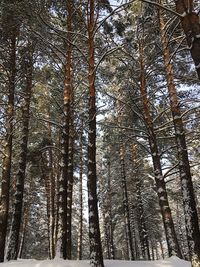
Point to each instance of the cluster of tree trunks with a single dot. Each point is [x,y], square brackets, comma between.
[189,203]
[59,211]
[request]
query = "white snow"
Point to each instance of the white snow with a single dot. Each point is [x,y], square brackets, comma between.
[171,262]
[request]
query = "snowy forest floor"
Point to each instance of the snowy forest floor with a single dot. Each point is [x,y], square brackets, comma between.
[171,262]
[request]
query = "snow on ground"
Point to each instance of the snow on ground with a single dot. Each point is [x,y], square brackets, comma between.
[171,262]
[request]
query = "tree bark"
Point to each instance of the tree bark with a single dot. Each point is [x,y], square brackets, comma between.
[5,186]
[80,227]
[13,247]
[125,202]
[190,210]
[70,194]
[96,255]
[111,230]
[66,136]
[51,192]
[191,26]
[143,230]
[172,242]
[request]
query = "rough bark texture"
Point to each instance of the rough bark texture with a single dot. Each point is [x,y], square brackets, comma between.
[5,186]
[170,233]
[191,217]
[65,135]
[14,241]
[191,26]
[96,256]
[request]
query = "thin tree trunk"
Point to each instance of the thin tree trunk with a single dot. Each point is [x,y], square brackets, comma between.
[161,249]
[191,26]
[111,230]
[13,247]
[96,255]
[142,222]
[80,228]
[134,230]
[191,217]
[51,195]
[106,231]
[125,202]
[46,178]
[152,251]
[26,215]
[172,242]
[5,186]
[143,229]
[70,194]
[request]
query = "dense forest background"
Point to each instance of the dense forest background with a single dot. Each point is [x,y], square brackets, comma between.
[99,127]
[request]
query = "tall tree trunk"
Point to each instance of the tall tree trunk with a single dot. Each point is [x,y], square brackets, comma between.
[191,217]
[161,249]
[111,230]
[80,227]
[13,247]
[134,228]
[26,216]
[45,175]
[48,209]
[70,194]
[96,255]
[143,230]
[191,26]
[52,206]
[170,233]
[106,230]
[66,135]
[125,202]
[51,193]
[5,186]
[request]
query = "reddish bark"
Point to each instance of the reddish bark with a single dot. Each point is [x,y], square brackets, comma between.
[170,233]
[5,186]
[191,26]
[96,255]
[189,203]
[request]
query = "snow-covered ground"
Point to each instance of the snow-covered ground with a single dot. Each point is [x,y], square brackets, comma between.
[171,262]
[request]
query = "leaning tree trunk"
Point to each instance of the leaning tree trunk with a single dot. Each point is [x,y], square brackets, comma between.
[172,242]
[13,247]
[190,210]
[6,166]
[96,255]
[191,26]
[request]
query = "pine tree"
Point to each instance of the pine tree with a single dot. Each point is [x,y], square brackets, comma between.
[191,217]
[94,231]
[10,35]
